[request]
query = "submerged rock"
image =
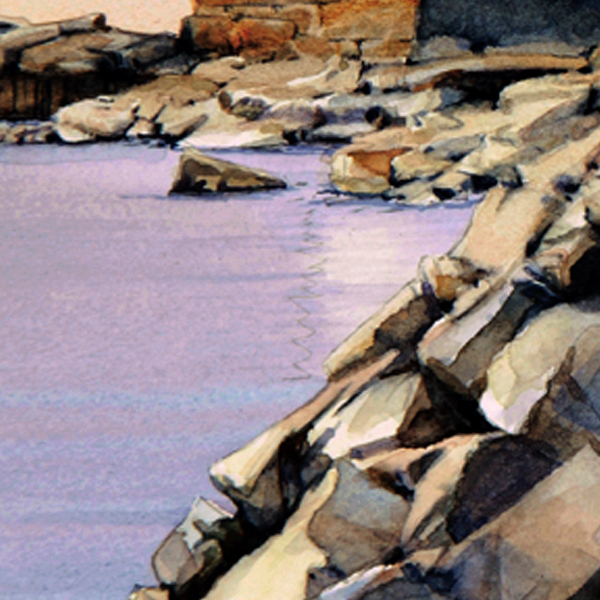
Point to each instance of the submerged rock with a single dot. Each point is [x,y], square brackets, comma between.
[199,174]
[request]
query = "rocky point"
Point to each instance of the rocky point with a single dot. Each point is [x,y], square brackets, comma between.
[455,451]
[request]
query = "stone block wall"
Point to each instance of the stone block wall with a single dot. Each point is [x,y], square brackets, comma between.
[379,29]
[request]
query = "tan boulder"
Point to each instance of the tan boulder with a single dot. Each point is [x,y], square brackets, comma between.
[428,478]
[221,71]
[363,171]
[198,173]
[89,120]
[416,165]
[372,415]
[519,376]
[223,131]
[566,257]
[399,323]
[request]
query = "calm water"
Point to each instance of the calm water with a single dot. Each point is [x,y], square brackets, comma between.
[143,337]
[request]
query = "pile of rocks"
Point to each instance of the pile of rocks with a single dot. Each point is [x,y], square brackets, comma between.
[455,451]
[46,66]
[244,75]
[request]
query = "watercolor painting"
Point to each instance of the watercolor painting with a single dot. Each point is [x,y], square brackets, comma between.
[300,300]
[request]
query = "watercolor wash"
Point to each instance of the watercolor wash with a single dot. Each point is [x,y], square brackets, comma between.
[194,227]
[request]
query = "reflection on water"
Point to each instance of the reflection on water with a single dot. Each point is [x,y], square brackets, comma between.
[143,337]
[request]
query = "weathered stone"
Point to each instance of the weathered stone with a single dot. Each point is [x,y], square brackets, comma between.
[361,19]
[31,133]
[254,38]
[175,123]
[198,173]
[460,350]
[416,165]
[339,133]
[262,38]
[143,128]
[248,107]
[503,225]
[566,86]
[19,38]
[209,34]
[363,171]
[294,114]
[75,54]
[149,51]
[237,133]
[428,478]
[519,376]
[545,546]
[307,18]
[417,77]
[567,255]
[360,523]
[281,566]
[453,149]
[567,417]
[94,119]
[565,167]
[251,477]
[495,477]
[192,554]
[397,324]
[373,414]
[304,78]
[448,277]
[379,583]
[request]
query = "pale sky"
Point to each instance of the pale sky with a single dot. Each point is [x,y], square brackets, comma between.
[136,15]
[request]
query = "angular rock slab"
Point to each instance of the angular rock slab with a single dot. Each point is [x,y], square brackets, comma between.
[519,376]
[547,546]
[567,416]
[279,568]
[200,174]
[360,524]
[192,554]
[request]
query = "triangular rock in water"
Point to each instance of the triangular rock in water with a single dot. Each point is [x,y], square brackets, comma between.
[199,174]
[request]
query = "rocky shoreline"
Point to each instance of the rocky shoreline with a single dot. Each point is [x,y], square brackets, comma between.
[455,451]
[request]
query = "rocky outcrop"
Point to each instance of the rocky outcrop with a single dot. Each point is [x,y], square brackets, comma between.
[46,66]
[455,450]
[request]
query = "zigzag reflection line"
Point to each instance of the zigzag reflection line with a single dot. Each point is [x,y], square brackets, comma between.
[307,291]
